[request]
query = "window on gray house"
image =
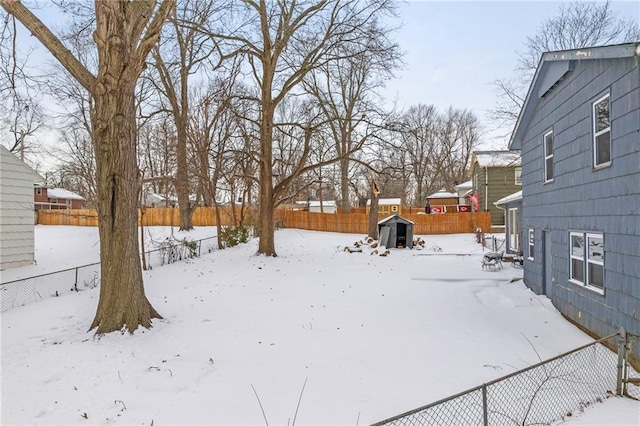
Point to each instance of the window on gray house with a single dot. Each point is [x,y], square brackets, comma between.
[532,243]
[587,260]
[601,132]
[548,156]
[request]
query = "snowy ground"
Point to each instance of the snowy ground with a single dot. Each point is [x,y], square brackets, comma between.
[371,336]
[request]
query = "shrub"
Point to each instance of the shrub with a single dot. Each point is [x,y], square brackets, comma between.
[234,236]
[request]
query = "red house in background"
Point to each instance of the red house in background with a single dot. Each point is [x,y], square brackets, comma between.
[56,198]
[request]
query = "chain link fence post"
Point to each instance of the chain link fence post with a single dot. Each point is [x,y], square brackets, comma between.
[485,409]
[622,345]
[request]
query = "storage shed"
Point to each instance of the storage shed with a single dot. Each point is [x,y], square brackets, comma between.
[395,232]
[16,211]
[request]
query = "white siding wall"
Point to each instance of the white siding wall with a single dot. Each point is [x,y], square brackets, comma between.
[16,212]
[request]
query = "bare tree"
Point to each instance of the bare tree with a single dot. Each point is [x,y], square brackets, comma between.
[177,60]
[283,42]
[124,34]
[578,24]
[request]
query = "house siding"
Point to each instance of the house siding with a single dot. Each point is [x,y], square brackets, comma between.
[497,182]
[581,198]
[16,212]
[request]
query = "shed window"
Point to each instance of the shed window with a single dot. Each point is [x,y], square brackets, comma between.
[601,132]
[587,260]
[38,191]
[548,156]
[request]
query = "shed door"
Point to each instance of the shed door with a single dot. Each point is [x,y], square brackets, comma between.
[401,238]
[384,235]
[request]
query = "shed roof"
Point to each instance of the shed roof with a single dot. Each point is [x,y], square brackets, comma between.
[386,201]
[516,196]
[394,218]
[552,68]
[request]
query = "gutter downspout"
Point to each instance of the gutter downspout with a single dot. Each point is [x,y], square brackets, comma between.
[486,189]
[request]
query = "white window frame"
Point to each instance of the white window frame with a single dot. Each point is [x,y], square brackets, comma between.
[38,191]
[518,176]
[514,232]
[548,157]
[586,260]
[589,260]
[532,243]
[601,132]
[53,200]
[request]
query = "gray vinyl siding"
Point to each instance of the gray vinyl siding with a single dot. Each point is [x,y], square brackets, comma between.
[581,198]
[498,182]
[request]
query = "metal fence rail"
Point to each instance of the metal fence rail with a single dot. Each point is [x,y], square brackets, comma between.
[544,393]
[29,290]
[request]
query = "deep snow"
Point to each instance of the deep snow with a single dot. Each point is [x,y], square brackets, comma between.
[370,336]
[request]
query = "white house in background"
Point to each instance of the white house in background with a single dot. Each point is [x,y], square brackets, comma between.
[16,211]
[327,207]
[464,190]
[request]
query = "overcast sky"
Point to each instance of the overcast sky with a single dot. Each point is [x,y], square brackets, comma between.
[456,49]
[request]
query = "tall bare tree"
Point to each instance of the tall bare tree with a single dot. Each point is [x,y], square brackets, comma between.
[125,32]
[577,24]
[283,41]
[177,60]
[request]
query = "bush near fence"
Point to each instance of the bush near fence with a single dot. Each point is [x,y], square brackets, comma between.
[352,223]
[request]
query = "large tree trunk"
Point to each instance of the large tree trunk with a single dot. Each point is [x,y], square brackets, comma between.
[344,184]
[122,304]
[182,182]
[266,231]
[373,211]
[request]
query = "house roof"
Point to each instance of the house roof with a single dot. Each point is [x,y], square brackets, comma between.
[443,193]
[394,217]
[516,196]
[497,158]
[464,185]
[63,194]
[387,201]
[552,68]
[7,157]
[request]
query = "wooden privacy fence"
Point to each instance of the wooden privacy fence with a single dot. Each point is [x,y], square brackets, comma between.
[202,216]
[358,223]
[353,223]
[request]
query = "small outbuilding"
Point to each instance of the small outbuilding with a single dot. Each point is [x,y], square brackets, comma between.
[323,206]
[395,232]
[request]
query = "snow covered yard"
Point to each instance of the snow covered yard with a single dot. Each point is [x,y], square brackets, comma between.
[371,336]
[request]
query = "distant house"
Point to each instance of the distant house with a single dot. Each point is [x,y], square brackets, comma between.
[16,211]
[579,134]
[152,199]
[512,205]
[387,206]
[495,174]
[464,191]
[56,198]
[443,202]
[327,207]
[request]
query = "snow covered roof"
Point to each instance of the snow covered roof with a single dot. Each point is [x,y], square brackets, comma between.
[443,193]
[497,158]
[63,194]
[387,201]
[331,203]
[464,185]
[513,197]
[394,217]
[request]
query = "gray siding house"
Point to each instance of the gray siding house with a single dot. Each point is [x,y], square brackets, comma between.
[579,137]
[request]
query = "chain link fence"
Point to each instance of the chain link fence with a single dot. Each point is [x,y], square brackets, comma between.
[544,393]
[29,290]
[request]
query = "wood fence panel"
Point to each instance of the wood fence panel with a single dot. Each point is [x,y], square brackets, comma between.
[353,223]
